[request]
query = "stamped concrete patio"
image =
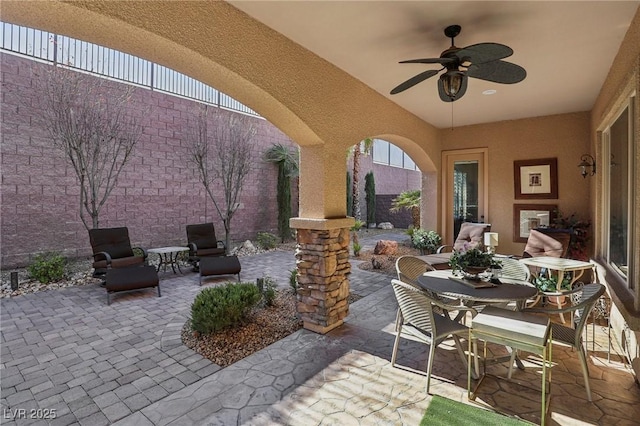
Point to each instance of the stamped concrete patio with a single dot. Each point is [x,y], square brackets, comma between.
[66,350]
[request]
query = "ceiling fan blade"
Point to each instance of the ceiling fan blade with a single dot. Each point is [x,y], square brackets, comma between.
[428,61]
[498,71]
[484,52]
[414,80]
[444,97]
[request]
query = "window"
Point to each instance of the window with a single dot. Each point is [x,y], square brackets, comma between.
[390,155]
[380,151]
[618,241]
[395,156]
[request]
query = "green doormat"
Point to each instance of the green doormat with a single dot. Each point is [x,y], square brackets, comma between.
[446,412]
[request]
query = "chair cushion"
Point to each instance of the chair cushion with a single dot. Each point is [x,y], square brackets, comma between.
[203,235]
[133,278]
[123,262]
[222,265]
[546,243]
[114,241]
[471,233]
[210,252]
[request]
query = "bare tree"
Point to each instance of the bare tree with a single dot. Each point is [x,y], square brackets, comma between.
[222,154]
[91,120]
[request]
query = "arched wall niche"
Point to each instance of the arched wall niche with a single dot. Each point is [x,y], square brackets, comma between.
[316,104]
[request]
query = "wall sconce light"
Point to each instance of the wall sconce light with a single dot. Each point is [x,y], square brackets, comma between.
[491,241]
[587,162]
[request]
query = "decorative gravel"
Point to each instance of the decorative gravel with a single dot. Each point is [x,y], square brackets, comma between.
[264,326]
[78,272]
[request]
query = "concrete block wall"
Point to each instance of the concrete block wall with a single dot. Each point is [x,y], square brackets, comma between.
[390,182]
[157,194]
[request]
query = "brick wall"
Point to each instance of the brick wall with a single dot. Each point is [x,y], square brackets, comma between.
[157,193]
[390,181]
[400,219]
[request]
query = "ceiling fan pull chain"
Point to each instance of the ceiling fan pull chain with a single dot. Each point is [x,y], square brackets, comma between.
[452,116]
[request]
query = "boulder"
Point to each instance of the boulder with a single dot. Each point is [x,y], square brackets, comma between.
[386,247]
[248,245]
[385,225]
[375,263]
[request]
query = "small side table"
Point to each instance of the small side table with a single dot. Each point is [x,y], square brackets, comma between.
[168,256]
[518,330]
[561,265]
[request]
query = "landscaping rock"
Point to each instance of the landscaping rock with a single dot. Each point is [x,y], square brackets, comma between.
[246,249]
[385,225]
[386,247]
[375,263]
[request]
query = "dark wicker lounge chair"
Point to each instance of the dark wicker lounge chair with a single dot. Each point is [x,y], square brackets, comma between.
[112,249]
[202,242]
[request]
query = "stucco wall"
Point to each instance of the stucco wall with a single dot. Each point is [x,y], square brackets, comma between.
[622,81]
[565,137]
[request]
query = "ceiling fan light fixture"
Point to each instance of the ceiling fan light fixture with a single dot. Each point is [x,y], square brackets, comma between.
[483,61]
[452,82]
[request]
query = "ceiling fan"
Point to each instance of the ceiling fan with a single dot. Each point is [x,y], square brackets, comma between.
[482,60]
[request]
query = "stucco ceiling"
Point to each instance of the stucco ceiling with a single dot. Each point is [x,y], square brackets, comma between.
[567,49]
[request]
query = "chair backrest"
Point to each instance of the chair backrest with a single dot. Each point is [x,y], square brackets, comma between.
[203,235]
[412,267]
[547,242]
[590,295]
[114,241]
[415,306]
[471,233]
[512,268]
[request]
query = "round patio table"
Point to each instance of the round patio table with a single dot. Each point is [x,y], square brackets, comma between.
[509,291]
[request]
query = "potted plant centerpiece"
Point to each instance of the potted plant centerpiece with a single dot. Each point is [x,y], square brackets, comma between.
[472,260]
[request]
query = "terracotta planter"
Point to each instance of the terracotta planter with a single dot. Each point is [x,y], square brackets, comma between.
[557,300]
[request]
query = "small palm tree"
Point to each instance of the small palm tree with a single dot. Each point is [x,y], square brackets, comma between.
[409,200]
[367,144]
[287,162]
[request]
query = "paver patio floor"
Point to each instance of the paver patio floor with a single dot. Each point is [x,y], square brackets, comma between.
[125,364]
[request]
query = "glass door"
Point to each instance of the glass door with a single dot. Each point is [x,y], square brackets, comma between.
[464,195]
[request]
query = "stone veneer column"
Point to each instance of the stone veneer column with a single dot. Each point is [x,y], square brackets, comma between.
[322,259]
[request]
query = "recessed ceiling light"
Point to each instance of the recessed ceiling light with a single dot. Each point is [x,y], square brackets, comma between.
[489,92]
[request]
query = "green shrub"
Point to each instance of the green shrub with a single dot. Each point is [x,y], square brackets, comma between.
[217,308]
[427,241]
[370,191]
[293,279]
[356,249]
[267,240]
[349,195]
[409,231]
[48,267]
[268,290]
[357,225]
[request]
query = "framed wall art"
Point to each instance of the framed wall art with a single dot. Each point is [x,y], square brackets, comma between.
[536,179]
[530,216]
